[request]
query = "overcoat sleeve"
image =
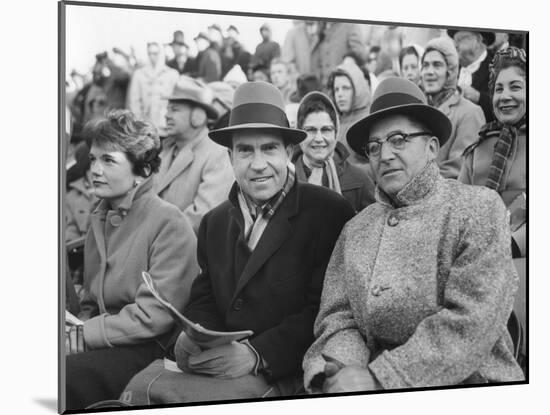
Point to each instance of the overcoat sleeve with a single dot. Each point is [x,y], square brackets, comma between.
[335,330]
[450,345]
[173,267]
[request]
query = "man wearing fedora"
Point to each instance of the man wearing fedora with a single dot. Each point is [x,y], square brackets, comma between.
[421,283]
[195,173]
[474,59]
[263,254]
[209,64]
[181,61]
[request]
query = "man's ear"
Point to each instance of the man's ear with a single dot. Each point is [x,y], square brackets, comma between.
[433,147]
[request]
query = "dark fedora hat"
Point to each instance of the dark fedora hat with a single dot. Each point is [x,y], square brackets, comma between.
[399,96]
[178,39]
[190,90]
[487,37]
[257,106]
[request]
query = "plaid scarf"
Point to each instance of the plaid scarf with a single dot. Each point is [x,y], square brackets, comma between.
[256,222]
[268,209]
[502,151]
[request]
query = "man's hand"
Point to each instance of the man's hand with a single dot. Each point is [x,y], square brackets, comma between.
[74,340]
[348,379]
[470,93]
[183,349]
[229,361]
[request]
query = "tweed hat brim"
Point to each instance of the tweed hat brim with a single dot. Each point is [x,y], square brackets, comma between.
[224,136]
[434,120]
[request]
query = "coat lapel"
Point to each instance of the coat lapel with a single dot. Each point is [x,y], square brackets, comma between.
[277,231]
[97,225]
[182,161]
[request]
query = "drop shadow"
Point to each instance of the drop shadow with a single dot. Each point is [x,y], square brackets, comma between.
[48,403]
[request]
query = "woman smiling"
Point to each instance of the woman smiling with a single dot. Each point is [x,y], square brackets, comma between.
[132,230]
[322,160]
[498,159]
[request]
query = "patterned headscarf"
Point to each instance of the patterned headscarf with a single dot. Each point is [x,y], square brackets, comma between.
[506,58]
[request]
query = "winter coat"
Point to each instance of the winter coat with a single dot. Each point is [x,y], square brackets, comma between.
[356,185]
[79,203]
[297,49]
[336,41]
[275,289]
[147,89]
[475,170]
[265,52]
[148,234]
[420,293]
[210,65]
[467,118]
[197,180]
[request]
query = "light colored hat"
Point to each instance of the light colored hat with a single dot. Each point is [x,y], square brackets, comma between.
[188,89]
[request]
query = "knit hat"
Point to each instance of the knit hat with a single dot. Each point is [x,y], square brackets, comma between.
[446,47]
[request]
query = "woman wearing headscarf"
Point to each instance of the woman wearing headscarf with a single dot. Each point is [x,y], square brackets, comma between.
[498,159]
[439,79]
[322,160]
[132,230]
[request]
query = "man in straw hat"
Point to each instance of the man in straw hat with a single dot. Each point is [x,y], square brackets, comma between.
[195,173]
[421,283]
[263,255]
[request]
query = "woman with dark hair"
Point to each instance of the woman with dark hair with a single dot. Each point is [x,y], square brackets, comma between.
[409,63]
[498,159]
[132,230]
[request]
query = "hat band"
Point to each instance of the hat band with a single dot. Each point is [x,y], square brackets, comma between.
[258,113]
[393,99]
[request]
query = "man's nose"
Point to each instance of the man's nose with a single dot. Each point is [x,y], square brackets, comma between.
[258,161]
[386,151]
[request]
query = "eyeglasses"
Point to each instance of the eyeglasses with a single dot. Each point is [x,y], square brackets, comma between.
[325,130]
[373,147]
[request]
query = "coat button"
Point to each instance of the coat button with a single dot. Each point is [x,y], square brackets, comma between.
[116,220]
[238,304]
[376,290]
[393,220]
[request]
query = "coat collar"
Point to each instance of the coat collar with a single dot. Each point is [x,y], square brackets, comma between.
[419,188]
[184,158]
[278,230]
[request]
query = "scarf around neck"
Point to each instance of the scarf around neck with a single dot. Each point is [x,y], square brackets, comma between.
[316,175]
[504,147]
[257,217]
